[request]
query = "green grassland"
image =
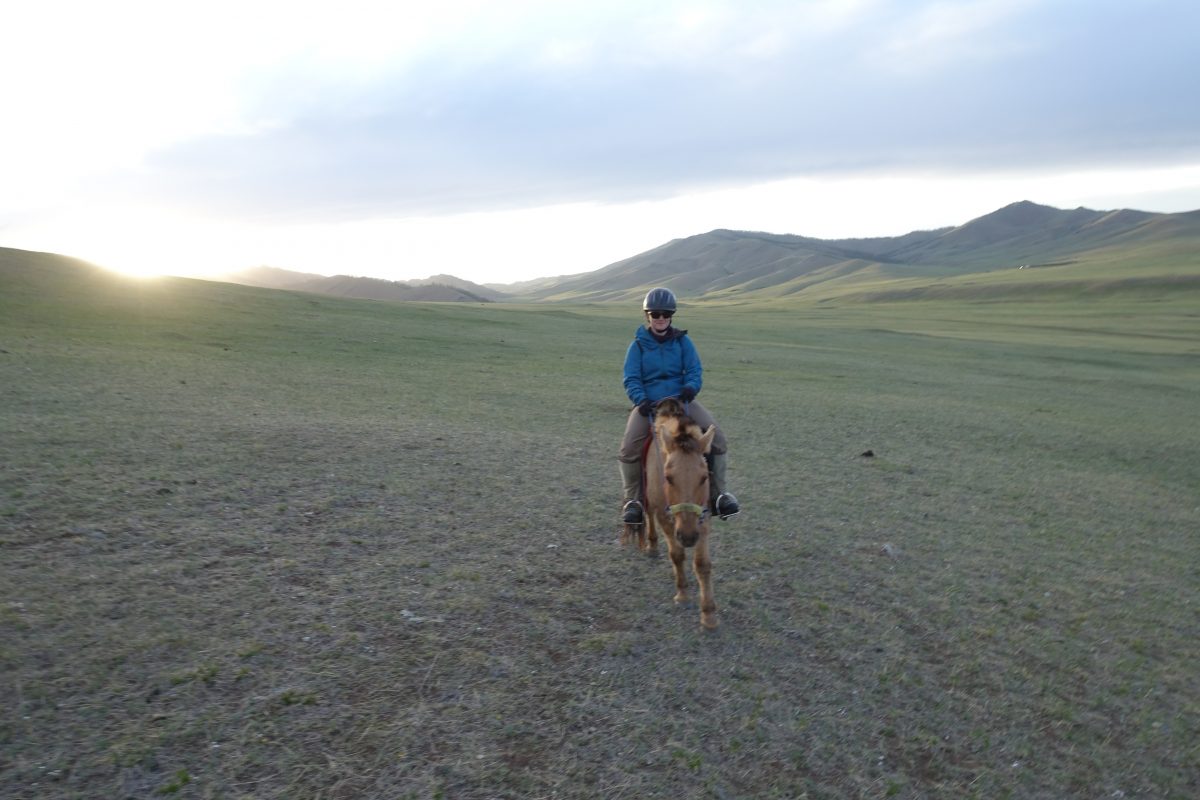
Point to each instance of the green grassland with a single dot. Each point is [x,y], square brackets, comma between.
[260,544]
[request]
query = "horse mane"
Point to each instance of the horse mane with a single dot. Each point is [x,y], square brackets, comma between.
[669,407]
[682,431]
[685,441]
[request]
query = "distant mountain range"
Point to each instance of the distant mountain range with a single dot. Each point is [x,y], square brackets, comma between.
[1078,251]
[745,265]
[439,288]
[726,264]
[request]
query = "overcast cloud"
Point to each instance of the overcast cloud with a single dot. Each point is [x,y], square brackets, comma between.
[351,117]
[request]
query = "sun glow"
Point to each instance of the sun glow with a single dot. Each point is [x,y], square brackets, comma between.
[514,245]
[140,242]
[142,273]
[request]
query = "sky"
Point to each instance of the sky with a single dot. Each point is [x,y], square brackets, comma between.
[505,141]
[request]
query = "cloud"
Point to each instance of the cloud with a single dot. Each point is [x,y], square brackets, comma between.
[354,117]
[944,34]
[545,105]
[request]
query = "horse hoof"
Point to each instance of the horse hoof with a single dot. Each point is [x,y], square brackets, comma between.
[709,621]
[681,599]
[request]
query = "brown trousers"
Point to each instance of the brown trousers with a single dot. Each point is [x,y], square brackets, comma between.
[637,428]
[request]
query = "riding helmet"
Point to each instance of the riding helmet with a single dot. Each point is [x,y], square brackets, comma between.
[659,299]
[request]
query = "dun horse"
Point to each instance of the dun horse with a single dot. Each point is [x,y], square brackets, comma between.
[677,493]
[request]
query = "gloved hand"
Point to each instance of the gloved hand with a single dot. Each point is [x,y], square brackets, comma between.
[645,407]
[688,394]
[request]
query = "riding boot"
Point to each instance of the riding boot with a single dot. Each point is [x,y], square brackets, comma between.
[631,486]
[722,502]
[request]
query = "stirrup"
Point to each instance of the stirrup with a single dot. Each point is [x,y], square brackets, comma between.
[727,506]
[632,513]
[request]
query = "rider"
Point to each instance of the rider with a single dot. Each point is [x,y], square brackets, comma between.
[662,362]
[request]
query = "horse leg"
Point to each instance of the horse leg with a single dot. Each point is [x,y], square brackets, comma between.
[702,564]
[632,534]
[648,540]
[677,552]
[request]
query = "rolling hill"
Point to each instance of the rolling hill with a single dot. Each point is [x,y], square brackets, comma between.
[1021,251]
[439,288]
[1077,246]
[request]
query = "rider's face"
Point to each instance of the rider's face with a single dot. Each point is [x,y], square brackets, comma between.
[660,324]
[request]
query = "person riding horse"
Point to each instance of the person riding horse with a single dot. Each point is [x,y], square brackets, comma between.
[662,362]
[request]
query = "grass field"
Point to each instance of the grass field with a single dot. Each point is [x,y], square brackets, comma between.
[270,545]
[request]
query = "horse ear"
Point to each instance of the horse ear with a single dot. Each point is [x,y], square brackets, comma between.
[706,439]
[665,437]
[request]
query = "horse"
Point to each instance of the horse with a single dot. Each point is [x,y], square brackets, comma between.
[677,496]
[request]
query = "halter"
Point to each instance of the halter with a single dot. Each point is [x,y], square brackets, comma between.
[695,508]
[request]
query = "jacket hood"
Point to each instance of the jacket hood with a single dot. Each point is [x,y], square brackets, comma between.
[644,334]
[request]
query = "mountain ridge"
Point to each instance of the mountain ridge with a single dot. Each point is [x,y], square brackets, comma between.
[1117,250]
[438,288]
[726,264]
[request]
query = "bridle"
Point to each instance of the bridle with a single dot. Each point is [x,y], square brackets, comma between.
[678,508]
[695,508]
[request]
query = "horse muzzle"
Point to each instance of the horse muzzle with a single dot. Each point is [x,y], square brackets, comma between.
[690,535]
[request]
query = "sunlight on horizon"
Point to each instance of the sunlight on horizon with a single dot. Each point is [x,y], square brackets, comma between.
[509,246]
[135,272]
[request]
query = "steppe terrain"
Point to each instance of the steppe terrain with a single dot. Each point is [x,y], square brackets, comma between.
[266,544]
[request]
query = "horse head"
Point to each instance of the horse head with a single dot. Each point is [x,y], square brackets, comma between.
[685,472]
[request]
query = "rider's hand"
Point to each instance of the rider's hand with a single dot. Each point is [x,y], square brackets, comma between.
[645,407]
[688,394]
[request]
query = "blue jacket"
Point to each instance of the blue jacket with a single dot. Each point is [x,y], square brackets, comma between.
[654,370]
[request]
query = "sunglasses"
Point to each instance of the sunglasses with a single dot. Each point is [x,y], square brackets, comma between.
[661,314]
